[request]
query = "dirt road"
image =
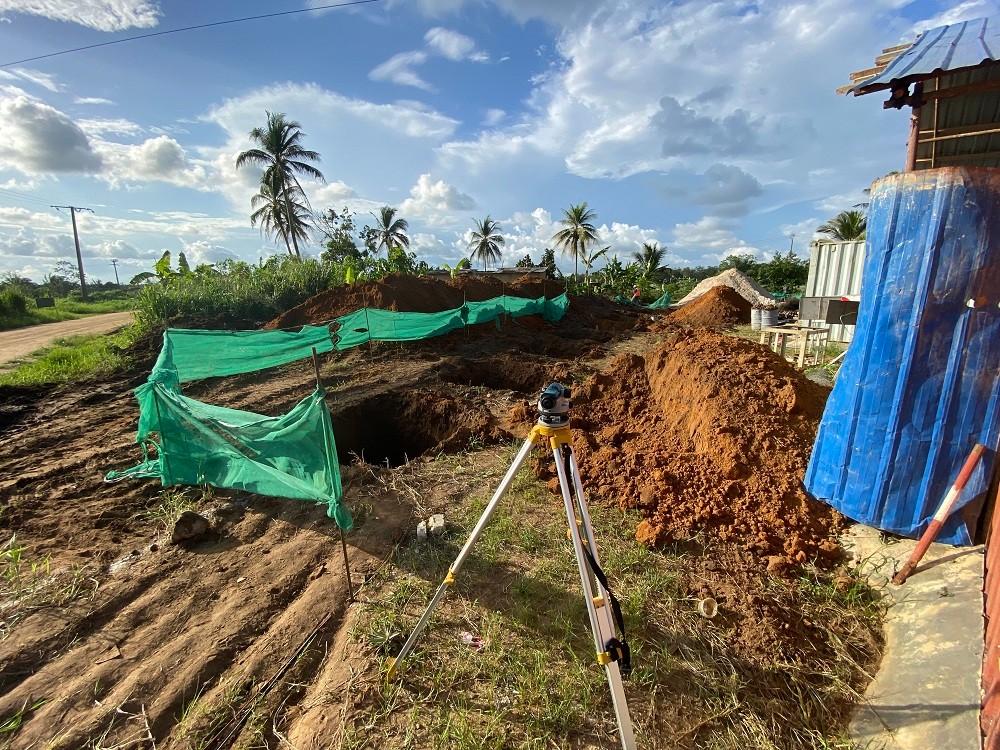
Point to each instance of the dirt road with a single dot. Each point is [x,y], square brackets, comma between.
[15,344]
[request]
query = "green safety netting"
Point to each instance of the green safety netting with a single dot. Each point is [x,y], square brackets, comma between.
[661,303]
[370,324]
[294,455]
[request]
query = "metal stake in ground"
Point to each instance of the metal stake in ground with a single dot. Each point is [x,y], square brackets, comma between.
[602,606]
[941,516]
[343,541]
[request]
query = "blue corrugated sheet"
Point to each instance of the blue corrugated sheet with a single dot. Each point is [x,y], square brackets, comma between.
[960,45]
[919,385]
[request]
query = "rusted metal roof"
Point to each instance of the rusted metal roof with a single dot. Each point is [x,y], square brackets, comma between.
[958,46]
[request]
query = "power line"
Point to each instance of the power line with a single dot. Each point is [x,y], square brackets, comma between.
[23,197]
[190,28]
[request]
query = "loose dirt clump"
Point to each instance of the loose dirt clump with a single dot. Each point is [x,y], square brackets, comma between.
[709,436]
[719,306]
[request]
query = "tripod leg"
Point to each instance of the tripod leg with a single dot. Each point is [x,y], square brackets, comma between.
[455,566]
[597,607]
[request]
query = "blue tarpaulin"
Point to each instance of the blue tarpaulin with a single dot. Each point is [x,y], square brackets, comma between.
[919,385]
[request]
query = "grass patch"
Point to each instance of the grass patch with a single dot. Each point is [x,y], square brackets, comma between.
[29,584]
[72,358]
[65,309]
[532,682]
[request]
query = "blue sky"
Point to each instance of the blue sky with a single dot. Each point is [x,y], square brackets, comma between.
[711,128]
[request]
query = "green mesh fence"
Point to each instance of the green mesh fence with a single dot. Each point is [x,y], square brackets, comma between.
[294,455]
[661,303]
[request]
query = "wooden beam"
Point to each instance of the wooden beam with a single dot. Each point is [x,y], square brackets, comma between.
[992,84]
[888,57]
[897,49]
[964,158]
[867,72]
[990,131]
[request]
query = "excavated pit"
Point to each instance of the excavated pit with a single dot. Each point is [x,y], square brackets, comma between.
[394,427]
[503,372]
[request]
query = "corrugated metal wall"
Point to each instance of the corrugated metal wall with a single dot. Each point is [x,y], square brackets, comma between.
[835,271]
[918,387]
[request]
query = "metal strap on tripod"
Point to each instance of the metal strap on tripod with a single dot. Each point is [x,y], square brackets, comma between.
[618,648]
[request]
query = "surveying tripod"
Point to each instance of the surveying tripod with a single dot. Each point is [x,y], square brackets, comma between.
[602,606]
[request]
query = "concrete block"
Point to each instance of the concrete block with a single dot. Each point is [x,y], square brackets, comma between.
[436,524]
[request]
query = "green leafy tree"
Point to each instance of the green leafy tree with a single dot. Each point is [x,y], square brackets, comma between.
[390,231]
[453,271]
[141,278]
[337,234]
[549,261]
[182,265]
[589,259]
[280,154]
[578,232]
[650,260]
[162,266]
[486,242]
[525,262]
[783,273]
[847,226]
[743,262]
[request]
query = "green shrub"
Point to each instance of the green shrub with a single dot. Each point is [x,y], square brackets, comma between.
[13,303]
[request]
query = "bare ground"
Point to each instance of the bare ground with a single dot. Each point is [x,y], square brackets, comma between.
[22,341]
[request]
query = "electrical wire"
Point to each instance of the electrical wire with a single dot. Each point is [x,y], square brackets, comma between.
[190,28]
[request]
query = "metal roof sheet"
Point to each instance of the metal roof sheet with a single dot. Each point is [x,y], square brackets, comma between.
[946,48]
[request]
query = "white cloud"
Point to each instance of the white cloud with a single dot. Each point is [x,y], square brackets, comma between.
[448,43]
[117,126]
[201,252]
[91,100]
[436,202]
[35,137]
[335,193]
[103,15]
[708,239]
[160,159]
[46,80]
[399,69]
[493,117]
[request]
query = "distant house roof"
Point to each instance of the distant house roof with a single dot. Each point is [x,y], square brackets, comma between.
[958,46]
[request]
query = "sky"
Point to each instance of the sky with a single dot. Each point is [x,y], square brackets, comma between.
[711,128]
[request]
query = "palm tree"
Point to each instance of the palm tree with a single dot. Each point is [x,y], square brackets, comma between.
[847,226]
[271,211]
[579,233]
[281,155]
[486,241]
[650,259]
[390,231]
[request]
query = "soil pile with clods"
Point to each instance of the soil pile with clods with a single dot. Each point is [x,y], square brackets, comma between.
[405,293]
[719,306]
[708,436]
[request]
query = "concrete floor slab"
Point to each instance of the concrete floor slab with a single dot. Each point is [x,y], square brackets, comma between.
[927,690]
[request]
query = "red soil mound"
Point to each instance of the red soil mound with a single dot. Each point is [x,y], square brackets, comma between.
[404,293]
[719,306]
[708,435]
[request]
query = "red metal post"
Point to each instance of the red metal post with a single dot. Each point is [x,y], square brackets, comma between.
[942,514]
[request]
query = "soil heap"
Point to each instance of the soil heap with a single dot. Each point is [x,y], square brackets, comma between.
[719,306]
[405,293]
[746,287]
[708,436]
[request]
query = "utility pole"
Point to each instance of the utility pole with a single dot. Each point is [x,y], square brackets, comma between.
[76,239]
[114,262]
